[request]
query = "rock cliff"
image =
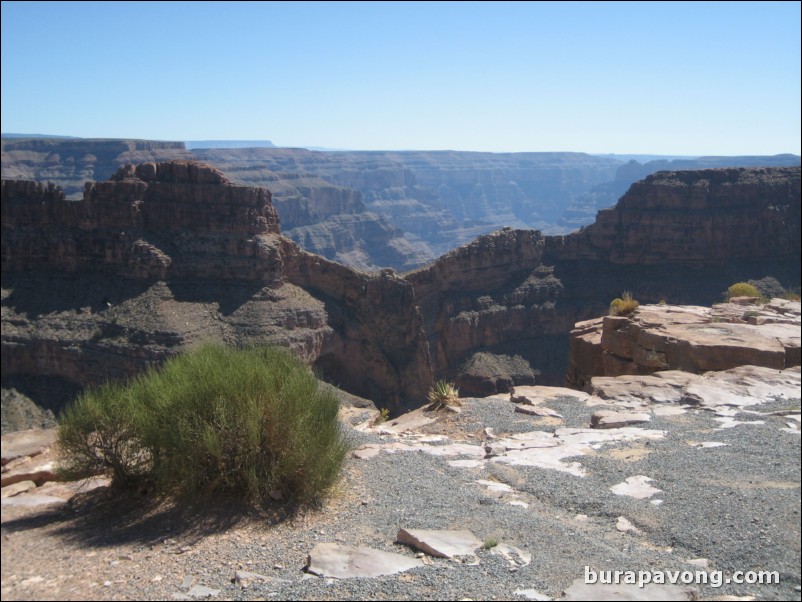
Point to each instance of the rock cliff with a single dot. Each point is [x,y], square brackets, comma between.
[683,237]
[692,339]
[166,255]
[440,198]
[583,208]
[696,219]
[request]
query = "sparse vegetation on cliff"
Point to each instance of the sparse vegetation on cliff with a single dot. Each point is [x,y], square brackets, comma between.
[624,305]
[442,394]
[249,423]
[743,289]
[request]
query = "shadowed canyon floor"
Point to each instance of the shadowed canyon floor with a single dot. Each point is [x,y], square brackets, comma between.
[681,490]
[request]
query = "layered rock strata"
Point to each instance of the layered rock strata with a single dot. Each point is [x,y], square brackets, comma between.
[683,237]
[695,340]
[695,219]
[167,255]
[164,256]
[70,162]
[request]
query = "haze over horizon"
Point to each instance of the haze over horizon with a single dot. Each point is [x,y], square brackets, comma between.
[699,78]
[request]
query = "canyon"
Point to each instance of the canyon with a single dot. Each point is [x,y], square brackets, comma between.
[165,255]
[374,209]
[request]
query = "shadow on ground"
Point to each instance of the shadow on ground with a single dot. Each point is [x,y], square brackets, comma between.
[98,519]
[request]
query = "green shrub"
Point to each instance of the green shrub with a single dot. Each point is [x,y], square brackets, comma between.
[742,289]
[443,393]
[624,305]
[214,421]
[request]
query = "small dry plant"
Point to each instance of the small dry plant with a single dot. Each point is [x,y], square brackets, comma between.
[624,305]
[442,394]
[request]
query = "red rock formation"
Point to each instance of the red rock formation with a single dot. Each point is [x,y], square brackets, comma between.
[194,258]
[687,338]
[695,219]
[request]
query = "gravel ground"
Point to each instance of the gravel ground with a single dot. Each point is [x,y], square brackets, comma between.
[737,506]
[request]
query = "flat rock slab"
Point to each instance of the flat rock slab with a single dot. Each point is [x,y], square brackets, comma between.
[579,590]
[26,443]
[344,562]
[38,469]
[515,556]
[442,543]
[411,421]
[537,411]
[17,488]
[614,420]
[637,487]
[32,499]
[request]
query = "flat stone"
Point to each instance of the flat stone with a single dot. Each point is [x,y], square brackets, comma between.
[515,556]
[579,590]
[440,543]
[245,578]
[537,394]
[496,486]
[32,499]
[201,591]
[495,449]
[364,452]
[410,421]
[668,410]
[614,420]
[707,444]
[537,411]
[17,488]
[637,487]
[31,442]
[38,471]
[344,562]
[624,525]
[466,463]
[531,594]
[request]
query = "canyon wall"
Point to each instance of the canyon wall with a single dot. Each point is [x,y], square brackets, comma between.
[166,255]
[683,237]
[70,162]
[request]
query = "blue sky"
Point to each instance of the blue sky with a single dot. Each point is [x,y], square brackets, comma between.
[668,78]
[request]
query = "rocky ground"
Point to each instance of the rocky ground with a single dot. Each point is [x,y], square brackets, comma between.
[668,481]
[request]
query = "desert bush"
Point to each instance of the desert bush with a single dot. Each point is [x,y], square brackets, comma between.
[246,423]
[742,289]
[768,287]
[443,393]
[624,305]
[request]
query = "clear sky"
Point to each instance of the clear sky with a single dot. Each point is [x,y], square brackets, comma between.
[656,77]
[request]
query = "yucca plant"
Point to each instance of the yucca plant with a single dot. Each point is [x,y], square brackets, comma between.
[442,394]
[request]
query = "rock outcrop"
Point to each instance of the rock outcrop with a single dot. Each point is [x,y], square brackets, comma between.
[692,339]
[166,255]
[683,237]
[696,219]
[196,257]
[497,295]
[582,210]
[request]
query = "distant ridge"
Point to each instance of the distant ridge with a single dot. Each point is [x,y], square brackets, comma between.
[229,144]
[12,135]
